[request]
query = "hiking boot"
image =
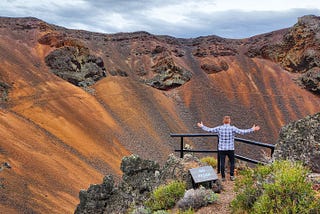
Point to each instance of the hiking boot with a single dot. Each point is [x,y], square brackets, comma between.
[232,178]
[223,179]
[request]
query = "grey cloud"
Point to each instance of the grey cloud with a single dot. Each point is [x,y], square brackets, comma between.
[236,24]
[96,17]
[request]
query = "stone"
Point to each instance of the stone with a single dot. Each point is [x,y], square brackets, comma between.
[75,65]
[4,92]
[311,80]
[95,198]
[166,74]
[300,141]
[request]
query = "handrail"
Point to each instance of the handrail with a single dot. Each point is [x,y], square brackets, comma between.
[192,135]
[182,150]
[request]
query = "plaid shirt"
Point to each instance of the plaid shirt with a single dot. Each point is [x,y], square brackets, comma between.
[226,134]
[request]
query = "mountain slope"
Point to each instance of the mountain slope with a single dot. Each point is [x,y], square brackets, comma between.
[62,133]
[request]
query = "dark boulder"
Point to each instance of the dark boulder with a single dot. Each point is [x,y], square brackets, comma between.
[4,92]
[76,65]
[168,75]
[139,178]
[311,80]
[165,74]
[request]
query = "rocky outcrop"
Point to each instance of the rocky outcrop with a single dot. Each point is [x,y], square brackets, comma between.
[72,61]
[300,141]
[167,74]
[169,77]
[215,67]
[302,45]
[296,49]
[311,80]
[76,65]
[4,92]
[153,60]
[140,178]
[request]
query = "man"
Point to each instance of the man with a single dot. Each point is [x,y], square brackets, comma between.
[226,134]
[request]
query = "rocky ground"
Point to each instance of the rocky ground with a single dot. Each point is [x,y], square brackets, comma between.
[222,206]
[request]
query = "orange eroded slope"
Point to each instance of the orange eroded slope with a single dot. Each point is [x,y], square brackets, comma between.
[44,169]
[56,136]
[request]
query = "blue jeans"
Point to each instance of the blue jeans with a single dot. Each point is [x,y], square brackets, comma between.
[223,154]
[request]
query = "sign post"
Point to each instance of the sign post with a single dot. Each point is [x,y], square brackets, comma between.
[203,174]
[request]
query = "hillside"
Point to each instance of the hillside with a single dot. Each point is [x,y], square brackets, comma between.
[75,102]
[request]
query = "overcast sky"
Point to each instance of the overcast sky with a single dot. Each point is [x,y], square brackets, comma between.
[178,18]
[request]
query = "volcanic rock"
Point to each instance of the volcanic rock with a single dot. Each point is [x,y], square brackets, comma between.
[4,91]
[76,65]
[300,141]
[296,49]
[140,178]
[311,80]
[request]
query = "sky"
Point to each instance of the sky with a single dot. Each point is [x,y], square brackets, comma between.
[178,18]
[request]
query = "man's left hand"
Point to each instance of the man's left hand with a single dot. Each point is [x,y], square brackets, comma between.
[256,128]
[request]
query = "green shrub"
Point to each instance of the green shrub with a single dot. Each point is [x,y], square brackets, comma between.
[211,161]
[277,188]
[165,197]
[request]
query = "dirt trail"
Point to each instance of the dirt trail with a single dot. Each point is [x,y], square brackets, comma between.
[222,206]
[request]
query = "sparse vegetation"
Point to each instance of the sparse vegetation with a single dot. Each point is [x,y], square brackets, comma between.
[165,197]
[210,161]
[197,198]
[280,187]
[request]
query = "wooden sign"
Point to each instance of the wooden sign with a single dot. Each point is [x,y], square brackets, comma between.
[203,174]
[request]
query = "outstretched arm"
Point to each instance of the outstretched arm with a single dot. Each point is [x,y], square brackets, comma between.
[205,128]
[246,131]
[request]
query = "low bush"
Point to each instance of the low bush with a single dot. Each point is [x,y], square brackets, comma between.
[211,161]
[280,187]
[165,197]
